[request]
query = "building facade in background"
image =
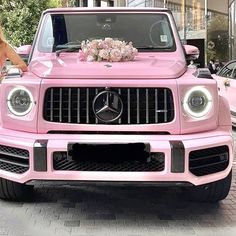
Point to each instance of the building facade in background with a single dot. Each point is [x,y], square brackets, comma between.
[232,28]
[98,3]
[207,24]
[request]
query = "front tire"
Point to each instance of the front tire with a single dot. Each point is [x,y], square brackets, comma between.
[212,192]
[13,191]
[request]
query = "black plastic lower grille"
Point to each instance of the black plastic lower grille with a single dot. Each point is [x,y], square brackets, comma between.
[209,161]
[13,159]
[154,163]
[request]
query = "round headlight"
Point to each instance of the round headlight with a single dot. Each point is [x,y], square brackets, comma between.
[197,102]
[20,101]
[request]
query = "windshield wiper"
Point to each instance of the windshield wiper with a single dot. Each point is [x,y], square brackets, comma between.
[151,47]
[67,49]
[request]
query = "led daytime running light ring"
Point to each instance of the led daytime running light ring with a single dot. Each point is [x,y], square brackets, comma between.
[12,110]
[208,99]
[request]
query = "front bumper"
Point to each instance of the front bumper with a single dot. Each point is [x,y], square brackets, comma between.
[36,153]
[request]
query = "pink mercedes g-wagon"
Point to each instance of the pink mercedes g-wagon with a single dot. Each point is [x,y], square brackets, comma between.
[108,97]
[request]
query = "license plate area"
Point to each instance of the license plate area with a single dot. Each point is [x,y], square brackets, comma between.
[109,153]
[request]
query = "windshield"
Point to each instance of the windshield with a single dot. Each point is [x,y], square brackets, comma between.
[146,31]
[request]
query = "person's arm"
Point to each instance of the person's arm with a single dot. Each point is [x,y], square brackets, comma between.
[15,58]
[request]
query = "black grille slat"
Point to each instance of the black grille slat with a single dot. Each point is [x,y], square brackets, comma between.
[12,168]
[13,162]
[156,164]
[165,106]
[208,161]
[87,106]
[51,105]
[60,105]
[69,106]
[206,171]
[209,165]
[14,151]
[78,105]
[140,105]
[147,107]
[156,106]
[13,159]
[119,92]
[128,105]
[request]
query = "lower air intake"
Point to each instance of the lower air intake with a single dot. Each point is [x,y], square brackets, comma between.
[15,160]
[209,161]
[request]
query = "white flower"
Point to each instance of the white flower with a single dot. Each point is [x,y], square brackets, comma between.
[94,51]
[90,58]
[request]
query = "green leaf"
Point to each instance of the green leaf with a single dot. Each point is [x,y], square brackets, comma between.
[20,18]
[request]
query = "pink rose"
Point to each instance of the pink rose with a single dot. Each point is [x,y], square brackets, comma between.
[82,56]
[115,55]
[104,54]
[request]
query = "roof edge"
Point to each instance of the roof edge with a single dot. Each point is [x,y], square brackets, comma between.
[106,9]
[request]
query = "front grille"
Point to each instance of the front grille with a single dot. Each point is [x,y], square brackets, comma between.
[209,161]
[13,159]
[140,105]
[155,163]
[233,113]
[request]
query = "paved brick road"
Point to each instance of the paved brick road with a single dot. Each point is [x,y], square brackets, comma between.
[124,211]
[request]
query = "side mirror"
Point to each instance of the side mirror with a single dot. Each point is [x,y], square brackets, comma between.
[14,72]
[11,72]
[191,52]
[24,51]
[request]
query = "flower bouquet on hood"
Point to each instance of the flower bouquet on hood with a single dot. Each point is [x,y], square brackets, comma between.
[109,49]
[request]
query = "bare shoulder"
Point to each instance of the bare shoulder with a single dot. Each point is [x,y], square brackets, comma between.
[3,53]
[6,48]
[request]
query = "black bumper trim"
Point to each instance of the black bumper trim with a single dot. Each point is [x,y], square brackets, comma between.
[40,155]
[177,156]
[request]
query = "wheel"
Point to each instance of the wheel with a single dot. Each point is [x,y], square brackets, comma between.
[14,191]
[212,192]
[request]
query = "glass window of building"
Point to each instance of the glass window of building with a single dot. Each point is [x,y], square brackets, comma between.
[218,30]
[203,23]
[232,28]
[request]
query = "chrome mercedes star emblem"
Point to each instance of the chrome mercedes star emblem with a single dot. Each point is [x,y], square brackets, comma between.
[107,106]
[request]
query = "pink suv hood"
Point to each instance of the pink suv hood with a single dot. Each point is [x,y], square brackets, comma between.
[145,65]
